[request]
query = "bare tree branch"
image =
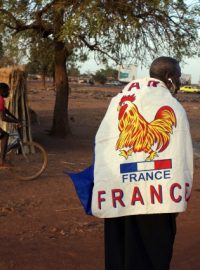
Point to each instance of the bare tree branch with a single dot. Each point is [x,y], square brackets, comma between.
[95,47]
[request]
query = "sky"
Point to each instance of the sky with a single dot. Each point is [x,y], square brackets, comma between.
[191,66]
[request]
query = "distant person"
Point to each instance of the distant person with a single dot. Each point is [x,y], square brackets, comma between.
[6,116]
[142,171]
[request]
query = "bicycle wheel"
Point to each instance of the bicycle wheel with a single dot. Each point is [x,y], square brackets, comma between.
[28,161]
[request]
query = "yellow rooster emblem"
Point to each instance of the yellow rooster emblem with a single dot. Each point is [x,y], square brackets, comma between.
[137,135]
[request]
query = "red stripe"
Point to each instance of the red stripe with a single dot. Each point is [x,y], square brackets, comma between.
[163,164]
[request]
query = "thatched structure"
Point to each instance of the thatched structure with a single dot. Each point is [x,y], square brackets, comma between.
[17,102]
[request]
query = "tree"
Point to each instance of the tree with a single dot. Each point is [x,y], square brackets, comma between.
[129,29]
[100,76]
[73,71]
[10,54]
[41,57]
[111,72]
[72,67]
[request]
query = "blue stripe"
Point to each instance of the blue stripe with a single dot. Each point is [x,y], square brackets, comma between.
[128,167]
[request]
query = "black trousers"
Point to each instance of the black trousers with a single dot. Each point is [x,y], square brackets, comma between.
[141,242]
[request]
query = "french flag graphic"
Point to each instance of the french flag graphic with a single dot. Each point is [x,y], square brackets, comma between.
[146,166]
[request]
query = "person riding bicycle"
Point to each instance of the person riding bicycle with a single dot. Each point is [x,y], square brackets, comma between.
[6,116]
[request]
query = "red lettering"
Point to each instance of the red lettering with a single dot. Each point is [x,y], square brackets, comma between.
[117,195]
[100,199]
[172,188]
[187,194]
[134,85]
[158,194]
[153,83]
[137,196]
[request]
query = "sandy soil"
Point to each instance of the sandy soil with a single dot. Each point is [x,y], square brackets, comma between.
[42,224]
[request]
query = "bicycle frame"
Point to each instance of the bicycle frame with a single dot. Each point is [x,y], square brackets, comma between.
[17,141]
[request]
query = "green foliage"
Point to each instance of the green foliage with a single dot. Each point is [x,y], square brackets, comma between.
[121,30]
[41,56]
[72,67]
[111,72]
[73,71]
[104,74]
[100,77]
[10,54]
[133,29]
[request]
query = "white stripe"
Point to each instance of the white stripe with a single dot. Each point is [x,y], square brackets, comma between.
[145,166]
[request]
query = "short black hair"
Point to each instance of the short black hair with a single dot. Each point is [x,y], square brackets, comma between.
[4,87]
[163,66]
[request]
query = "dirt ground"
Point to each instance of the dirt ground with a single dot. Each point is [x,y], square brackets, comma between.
[42,224]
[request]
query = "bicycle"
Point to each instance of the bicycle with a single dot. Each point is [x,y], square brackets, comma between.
[28,159]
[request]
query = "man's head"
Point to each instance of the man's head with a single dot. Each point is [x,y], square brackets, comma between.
[166,69]
[4,90]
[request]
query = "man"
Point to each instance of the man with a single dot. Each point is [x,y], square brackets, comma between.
[143,170]
[142,173]
[6,116]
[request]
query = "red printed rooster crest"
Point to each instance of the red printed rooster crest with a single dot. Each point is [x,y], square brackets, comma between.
[137,135]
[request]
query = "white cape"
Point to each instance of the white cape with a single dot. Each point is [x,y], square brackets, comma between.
[143,154]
